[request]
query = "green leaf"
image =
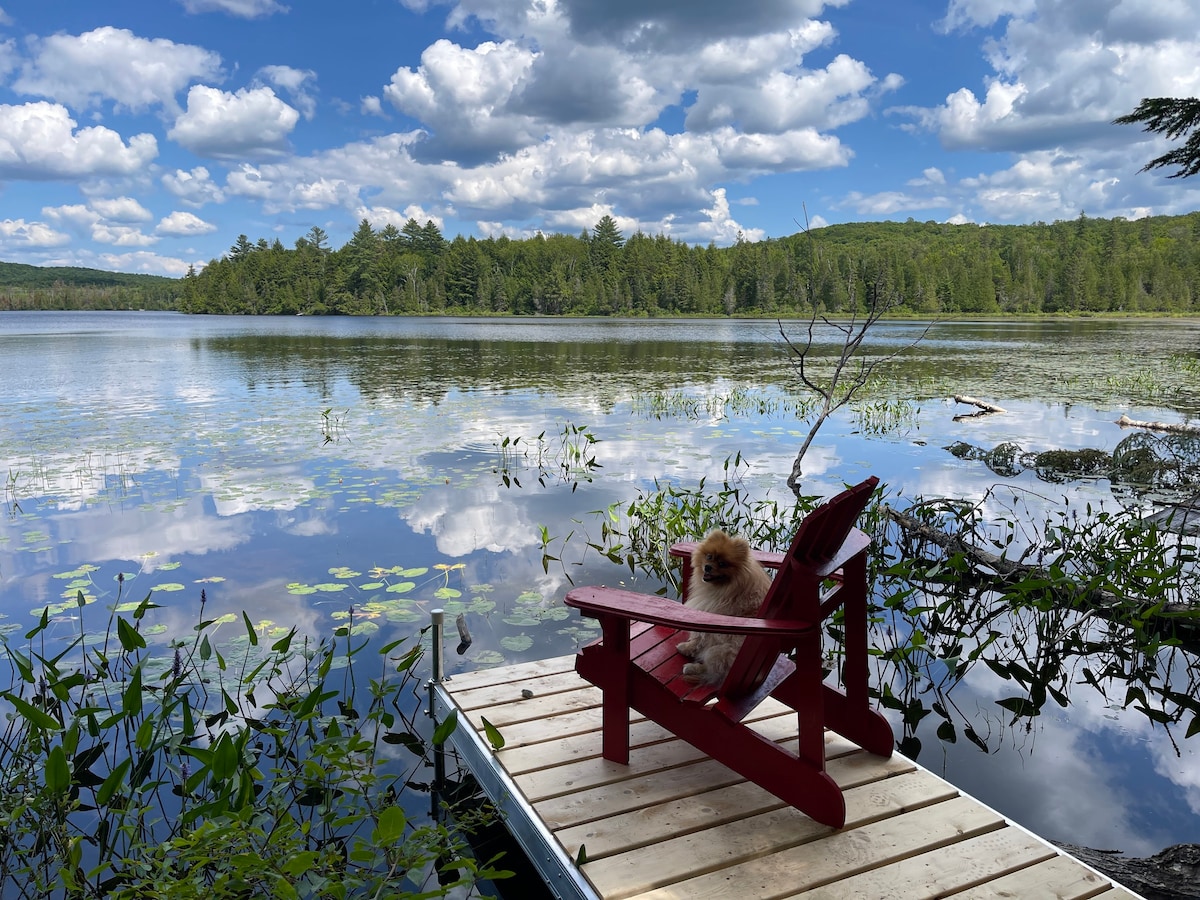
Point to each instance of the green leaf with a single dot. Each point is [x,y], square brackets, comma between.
[284,643]
[36,717]
[224,758]
[115,779]
[23,663]
[58,773]
[41,625]
[250,632]
[131,700]
[495,738]
[445,728]
[390,827]
[130,638]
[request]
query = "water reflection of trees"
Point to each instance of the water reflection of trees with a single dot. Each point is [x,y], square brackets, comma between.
[1094,601]
[431,369]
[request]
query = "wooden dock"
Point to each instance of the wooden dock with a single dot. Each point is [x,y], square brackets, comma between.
[675,824]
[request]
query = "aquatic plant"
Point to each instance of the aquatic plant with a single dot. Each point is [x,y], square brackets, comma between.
[216,770]
[570,457]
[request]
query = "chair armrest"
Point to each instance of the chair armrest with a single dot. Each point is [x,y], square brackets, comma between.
[598,601]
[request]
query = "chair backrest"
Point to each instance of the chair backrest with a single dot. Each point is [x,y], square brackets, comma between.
[823,531]
[793,595]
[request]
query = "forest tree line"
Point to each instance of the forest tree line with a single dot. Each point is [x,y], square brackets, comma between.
[1083,265]
[924,268]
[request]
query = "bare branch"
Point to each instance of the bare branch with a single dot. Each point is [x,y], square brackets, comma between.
[850,370]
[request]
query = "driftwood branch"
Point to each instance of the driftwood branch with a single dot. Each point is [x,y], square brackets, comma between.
[1172,427]
[986,407]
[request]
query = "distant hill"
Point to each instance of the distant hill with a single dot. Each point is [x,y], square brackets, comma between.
[70,287]
[20,275]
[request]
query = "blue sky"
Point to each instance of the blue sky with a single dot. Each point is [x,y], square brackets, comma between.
[146,136]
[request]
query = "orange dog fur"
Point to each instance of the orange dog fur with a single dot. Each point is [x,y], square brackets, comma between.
[725,579]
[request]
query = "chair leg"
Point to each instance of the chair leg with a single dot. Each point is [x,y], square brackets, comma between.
[855,675]
[612,656]
[808,700]
[852,715]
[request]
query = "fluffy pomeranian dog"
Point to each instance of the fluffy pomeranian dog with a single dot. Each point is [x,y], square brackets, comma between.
[725,579]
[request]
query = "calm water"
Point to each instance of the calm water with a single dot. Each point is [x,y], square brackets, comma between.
[296,467]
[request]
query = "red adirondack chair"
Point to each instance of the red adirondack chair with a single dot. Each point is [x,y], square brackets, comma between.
[636,665]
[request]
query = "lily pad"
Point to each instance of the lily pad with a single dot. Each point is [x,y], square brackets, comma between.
[85,569]
[489,658]
[521,621]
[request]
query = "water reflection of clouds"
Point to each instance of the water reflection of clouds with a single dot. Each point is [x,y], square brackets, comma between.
[75,480]
[464,520]
[240,490]
[1052,778]
[1083,778]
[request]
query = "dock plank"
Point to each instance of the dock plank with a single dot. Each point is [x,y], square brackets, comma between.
[737,802]
[675,823]
[940,872]
[765,858]
[1058,878]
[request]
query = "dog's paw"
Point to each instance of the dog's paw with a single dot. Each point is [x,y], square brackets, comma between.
[695,673]
[687,648]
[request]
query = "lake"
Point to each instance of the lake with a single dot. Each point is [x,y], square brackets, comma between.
[297,467]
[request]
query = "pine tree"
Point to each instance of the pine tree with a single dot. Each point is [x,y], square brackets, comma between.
[1173,118]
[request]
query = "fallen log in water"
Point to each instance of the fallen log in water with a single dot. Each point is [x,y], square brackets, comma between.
[1172,427]
[1008,571]
[971,401]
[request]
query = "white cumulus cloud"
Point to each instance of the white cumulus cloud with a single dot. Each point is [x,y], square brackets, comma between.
[40,141]
[183,224]
[250,122]
[114,64]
